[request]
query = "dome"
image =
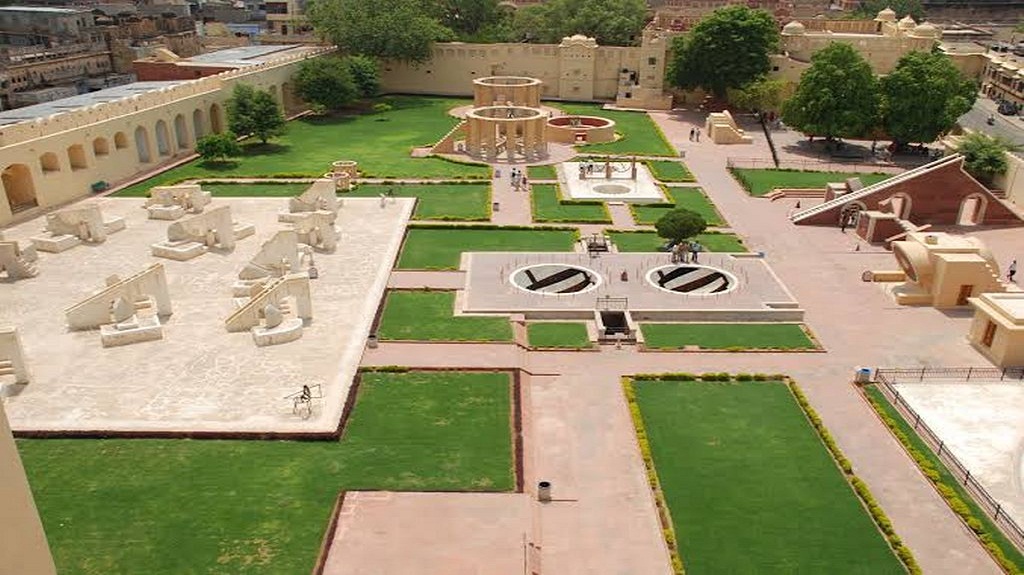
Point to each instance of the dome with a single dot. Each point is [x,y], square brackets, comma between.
[887,15]
[794,28]
[907,23]
[926,30]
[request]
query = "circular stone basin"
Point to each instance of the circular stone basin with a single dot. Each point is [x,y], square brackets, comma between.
[555,279]
[612,189]
[691,279]
[506,113]
[580,122]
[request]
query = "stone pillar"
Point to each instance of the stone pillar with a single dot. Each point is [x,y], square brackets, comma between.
[473,136]
[490,143]
[511,141]
[23,547]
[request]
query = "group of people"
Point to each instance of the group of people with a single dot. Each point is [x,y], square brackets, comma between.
[519,181]
[694,134]
[686,252]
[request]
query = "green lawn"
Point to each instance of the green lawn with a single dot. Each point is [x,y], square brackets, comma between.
[759,182]
[467,202]
[750,486]
[650,242]
[640,135]
[440,248]
[428,316]
[567,335]
[548,207]
[542,172]
[381,143]
[882,403]
[177,507]
[666,171]
[690,198]
[726,335]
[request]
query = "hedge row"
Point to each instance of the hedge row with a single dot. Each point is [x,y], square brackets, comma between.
[492,227]
[930,470]
[744,182]
[861,488]
[712,376]
[652,474]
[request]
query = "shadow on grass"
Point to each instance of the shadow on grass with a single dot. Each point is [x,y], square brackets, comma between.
[218,165]
[261,149]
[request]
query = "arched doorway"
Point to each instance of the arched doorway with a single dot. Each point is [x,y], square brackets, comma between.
[76,157]
[972,210]
[49,163]
[181,132]
[198,127]
[120,141]
[289,100]
[163,139]
[100,147]
[142,145]
[18,187]
[216,125]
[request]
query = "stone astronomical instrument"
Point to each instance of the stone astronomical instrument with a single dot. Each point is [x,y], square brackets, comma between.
[555,279]
[692,279]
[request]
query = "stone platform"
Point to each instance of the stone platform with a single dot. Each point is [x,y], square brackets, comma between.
[199,377]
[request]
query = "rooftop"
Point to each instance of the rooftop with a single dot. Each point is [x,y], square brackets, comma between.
[241,56]
[29,113]
[42,9]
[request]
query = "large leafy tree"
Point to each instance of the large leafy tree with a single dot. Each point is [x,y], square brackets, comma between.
[728,48]
[326,82]
[679,224]
[610,22]
[923,97]
[468,17]
[254,112]
[764,94]
[837,95]
[984,155]
[218,147]
[365,74]
[389,29]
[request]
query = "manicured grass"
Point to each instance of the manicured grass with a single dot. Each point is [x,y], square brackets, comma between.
[666,171]
[261,507]
[726,335]
[558,334]
[690,198]
[440,248]
[547,206]
[381,143]
[759,182]
[880,402]
[466,202]
[640,135]
[750,486]
[650,242]
[542,172]
[428,316]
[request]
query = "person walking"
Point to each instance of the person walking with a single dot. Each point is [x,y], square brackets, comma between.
[695,248]
[692,132]
[1012,270]
[698,134]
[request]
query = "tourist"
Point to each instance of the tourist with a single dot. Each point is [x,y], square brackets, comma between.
[698,134]
[684,249]
[1012,270]
[695,248]
[692,132]
[524,183]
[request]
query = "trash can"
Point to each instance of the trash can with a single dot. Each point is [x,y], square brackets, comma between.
[495,206]
[371,342]
[544,491]
[862,375]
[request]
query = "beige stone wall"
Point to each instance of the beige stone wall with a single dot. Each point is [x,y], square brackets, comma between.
[63,155]
[1013,180]
[881,51]
[23,547]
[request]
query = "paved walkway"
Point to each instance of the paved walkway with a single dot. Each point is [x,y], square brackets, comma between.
[576,428]
[513,205]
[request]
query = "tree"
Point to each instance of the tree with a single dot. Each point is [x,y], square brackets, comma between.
[254,112]
[326,82]
[837,95]
[365,75]
[923,97]
[218,147]
[763,95]
[679,224]
[870,8]
[728,48]
[389,29]
[984,155]
[468,17]
[610,22]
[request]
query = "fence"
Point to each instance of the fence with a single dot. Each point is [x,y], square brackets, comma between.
[812,165]
[887,377]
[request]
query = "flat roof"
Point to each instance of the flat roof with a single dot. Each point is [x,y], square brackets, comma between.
[42,9]
[29,113]
[240,56]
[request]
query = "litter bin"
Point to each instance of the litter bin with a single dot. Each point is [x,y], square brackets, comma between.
[862,375]
[371,342]
[495,206]
[544,491]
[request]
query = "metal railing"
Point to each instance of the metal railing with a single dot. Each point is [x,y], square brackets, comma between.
[960,473]
[834,165]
